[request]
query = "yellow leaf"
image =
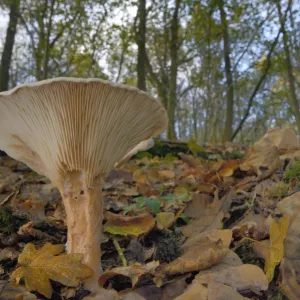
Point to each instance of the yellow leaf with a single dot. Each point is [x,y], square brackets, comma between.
[132,226]
[37,267]
[195,148]
[165,219]
[278,232]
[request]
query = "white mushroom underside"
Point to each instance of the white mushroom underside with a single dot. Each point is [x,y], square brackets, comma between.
[63,125]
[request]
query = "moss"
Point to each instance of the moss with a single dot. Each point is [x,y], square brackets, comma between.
[168,246]
[292,173]
[280,190]
[143,154]
[9,222]
[233,155]
[162,149]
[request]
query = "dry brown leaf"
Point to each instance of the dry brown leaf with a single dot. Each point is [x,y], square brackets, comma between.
[289,282]
[166,174]
[228,168]
[214,291]
[264,160]
[129,226]
[116,175]
[219,291]
[9,253]
[174,289]
[224,235]
[242,277]
[134,272]
[290,205]
[206,187]
[198,256]
[10,292]
[208,213]
[37,267]
[282,138]
[148,292]
[131,295]
[194,292]
[130,191]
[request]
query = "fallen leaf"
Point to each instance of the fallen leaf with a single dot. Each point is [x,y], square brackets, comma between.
[214,291]
[290,204]
[132,226]
[278,232]
[130,191]
[289,282]
[9,253]
[242,277]
[224,235]
[37,267]
[228,168]
[173,289]
[165,220]
[207,213]
[166,174]
[119,174]
[10,292]
[206,187]
[280,137]
[134,272]
[194,292]
[198,256]
[147,292]
[263,159]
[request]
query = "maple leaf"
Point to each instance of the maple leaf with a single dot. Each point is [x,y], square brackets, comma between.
[278,232]
[38,266]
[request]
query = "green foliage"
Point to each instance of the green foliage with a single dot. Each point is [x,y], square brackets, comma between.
[280,190]
[174,198]
[170,157]
[185,218]
[10,223]
[293,173]
[141,202]
[195,148]
[143,154]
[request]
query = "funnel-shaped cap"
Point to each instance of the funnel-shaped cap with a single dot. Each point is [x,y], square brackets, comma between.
[67,124]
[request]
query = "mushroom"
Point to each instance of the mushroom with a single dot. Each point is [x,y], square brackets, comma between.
[74,131]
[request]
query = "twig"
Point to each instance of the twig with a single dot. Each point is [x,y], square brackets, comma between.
[120,252]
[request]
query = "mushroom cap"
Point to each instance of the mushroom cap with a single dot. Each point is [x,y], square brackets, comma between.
[62,125]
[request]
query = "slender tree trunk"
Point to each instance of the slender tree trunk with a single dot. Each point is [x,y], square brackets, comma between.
[141,42]
[47,44]
[9,44]
[289,66]
[173,71]
[228,72]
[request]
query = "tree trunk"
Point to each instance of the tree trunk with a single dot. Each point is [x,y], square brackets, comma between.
[229,80]
[289,66]
[173,71]
[141,42]
[9,44]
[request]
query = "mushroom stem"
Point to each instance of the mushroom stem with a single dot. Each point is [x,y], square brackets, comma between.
[84,210]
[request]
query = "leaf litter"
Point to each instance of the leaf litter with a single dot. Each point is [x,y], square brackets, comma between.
[215,222]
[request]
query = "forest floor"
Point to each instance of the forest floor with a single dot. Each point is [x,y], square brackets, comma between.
[220,222]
